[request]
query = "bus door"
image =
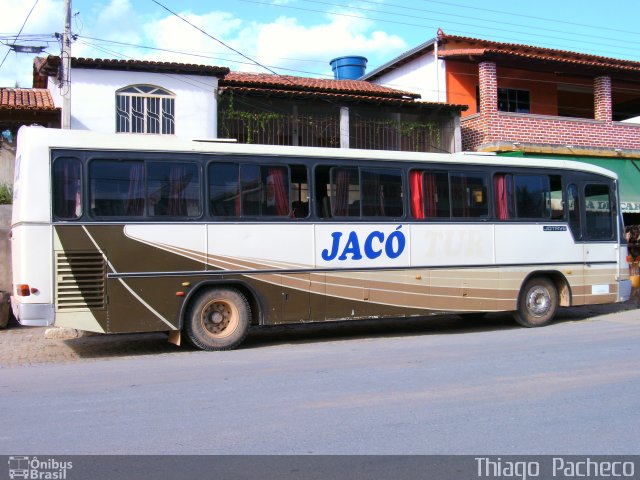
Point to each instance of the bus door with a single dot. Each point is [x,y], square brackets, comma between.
[601,249]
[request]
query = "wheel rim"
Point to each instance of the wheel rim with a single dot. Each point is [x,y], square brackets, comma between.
[538,301]
[219,318]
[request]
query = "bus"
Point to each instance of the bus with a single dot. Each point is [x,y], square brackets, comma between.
[117,233]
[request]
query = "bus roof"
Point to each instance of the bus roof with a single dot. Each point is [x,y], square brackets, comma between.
[40,137]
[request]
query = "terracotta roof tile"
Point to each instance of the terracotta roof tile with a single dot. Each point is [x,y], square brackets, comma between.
[532,52]
[347,96]
[288,82]
[26,99]
[50,66]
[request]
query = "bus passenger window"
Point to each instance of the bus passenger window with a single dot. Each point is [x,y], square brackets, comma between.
[345,192]
[469,195]
[429,194]
[299,191]
[532,195]
[224,190]
[556,203]
[381,193]
[322,203]
[173,189]
[67,188]
[264,190]
[117,188]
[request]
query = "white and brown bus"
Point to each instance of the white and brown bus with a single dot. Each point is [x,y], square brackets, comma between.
[134,233]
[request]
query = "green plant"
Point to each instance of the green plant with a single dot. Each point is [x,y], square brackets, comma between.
[6,194]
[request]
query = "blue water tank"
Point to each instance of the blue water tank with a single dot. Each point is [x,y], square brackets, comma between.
[348,68]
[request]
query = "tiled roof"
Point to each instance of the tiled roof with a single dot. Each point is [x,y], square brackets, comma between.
[291,83]
[346,96]
[487,47]
[49,66]
[26,99]
[286,86]
[479,48]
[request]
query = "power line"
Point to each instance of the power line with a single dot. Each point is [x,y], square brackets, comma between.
[197,55]
[384,12]
[21,28]
[219,41]
[396,22]
[492,21]
[546,19]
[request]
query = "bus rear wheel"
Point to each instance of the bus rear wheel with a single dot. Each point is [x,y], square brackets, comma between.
[218,319]
[537,303]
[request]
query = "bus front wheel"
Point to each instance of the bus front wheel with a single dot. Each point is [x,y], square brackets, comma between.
[218,319]
[537,303]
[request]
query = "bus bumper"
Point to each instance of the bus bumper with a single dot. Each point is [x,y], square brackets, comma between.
[624,290]
[33,314]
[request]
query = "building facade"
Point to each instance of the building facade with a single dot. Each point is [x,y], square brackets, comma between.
[533,101]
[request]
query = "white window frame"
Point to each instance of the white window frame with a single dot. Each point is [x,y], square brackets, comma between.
[146,109]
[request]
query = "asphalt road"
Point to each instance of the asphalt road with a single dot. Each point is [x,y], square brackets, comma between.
[433,386]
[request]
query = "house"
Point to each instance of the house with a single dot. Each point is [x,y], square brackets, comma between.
[136,96]
[289,110]
[133,96]
[526,100]
[22,106]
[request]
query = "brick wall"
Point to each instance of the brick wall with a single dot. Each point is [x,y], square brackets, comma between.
[519,127]
[490,125]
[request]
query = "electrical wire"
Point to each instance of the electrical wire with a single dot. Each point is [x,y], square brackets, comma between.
[385,12]
[21,28]
[220,41]
[422,26]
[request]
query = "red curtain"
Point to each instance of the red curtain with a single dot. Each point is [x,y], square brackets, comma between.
[430,194]
[417,194]
[500,193]
[280,191]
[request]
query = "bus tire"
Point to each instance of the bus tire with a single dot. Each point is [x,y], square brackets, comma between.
[217,319]
[537,303]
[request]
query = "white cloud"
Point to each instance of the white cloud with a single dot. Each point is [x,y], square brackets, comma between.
[46,18]
[285,42]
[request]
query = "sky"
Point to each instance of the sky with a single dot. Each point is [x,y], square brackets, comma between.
[300,37]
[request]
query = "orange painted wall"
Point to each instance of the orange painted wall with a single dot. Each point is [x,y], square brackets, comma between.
[462,79]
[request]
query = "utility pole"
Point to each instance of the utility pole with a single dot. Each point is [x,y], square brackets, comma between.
[66,67]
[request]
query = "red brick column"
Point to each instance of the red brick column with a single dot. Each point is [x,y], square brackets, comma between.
[602,98]
[488,88]
[488,124]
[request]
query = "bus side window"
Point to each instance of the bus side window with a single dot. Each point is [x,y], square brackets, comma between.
[429,194]
[67,188]
[299,191]
[598,212]
[224,189]
[173,189]
[381,194]
[469,195]
[345,192]
[264,190]
[573,206]
[321,191]
[117,188]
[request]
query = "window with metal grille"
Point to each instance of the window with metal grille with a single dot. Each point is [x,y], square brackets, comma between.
[145,109]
